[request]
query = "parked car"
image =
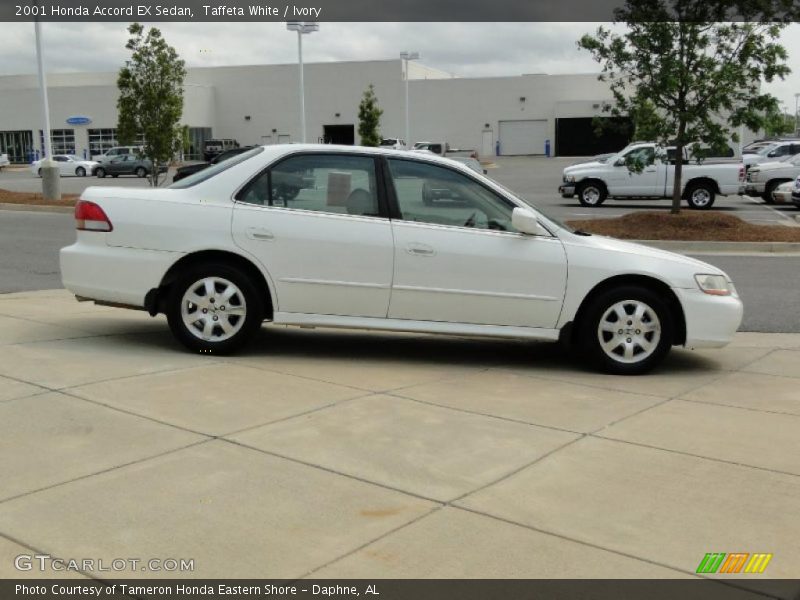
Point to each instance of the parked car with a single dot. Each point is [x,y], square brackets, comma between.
[187,170]
[129,164]
[771,152]
[796,193]
[394,143]
[783,193]
[68,164]
[593,182]
[118,151]
[358,248]
[4,162]
[764,178]
[216,146]
[443,149]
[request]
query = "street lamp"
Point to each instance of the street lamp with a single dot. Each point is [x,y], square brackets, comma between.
[796,126]
[405,57]
[51,185]
[302,27]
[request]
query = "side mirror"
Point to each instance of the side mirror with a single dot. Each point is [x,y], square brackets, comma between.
[620,162]
[525,221]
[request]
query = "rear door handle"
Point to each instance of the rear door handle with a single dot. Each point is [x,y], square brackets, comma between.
[420,250]
[261,235]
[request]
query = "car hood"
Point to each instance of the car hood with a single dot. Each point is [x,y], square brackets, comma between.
[768,166]
[585,165]
[597,251]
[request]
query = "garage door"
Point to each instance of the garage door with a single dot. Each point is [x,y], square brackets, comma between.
[522,137]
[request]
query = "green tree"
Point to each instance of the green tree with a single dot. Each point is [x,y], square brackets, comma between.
[778,123]
[369,118]
[151,97]
[689,71]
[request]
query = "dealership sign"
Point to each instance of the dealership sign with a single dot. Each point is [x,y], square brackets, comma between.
[79,120]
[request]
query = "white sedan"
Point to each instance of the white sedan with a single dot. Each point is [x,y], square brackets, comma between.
[68,164]
[335,236]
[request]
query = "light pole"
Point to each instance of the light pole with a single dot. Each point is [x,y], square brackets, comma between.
[51,185]
[796,126]
[302,27]
[407,56]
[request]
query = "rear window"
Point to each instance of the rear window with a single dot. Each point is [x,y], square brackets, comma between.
[213,170]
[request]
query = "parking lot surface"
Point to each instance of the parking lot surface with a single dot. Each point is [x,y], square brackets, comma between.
[346,454]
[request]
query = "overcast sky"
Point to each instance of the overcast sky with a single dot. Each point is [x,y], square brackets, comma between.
[466,49]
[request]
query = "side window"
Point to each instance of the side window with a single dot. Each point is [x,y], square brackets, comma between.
[431,194]
[60,159]
[327,183]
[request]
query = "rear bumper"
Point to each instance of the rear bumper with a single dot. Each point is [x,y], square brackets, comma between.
[112,274]
[711,321]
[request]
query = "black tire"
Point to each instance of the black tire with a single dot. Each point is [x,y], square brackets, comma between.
[591,193]
[700,195]
[770,187]
[100,172]
[141,172]
[39,172]
[250,299]
[613,361]
[80,172]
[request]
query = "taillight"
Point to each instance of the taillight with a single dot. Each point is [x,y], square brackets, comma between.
[90,217]
[741,172]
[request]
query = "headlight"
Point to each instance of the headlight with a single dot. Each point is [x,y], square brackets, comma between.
[569,178]
[716,285]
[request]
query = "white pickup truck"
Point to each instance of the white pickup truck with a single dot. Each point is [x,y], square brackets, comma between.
[595,181]
[4,161]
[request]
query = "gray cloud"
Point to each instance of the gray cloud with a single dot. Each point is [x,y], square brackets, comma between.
[467,49]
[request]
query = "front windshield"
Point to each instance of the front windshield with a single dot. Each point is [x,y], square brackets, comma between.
[766,149]
[213,170]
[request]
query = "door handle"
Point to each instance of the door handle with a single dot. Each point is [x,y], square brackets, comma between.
[420,250]
[261,235]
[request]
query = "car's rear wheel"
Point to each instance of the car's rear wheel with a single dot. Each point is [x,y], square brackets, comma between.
[141,172]
[100,172]
[592,193]
[627,330]
[214,309]
[80,172]
[700,196]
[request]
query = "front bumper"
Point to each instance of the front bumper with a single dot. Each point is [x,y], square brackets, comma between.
[754,188]
[711,321]
[567,189]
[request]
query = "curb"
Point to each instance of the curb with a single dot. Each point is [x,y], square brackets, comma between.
[36,208]
[688,247]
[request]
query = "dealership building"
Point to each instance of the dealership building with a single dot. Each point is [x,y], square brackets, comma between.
[531,114]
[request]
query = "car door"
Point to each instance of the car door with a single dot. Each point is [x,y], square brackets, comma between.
[63,164]
[459,259]
[647,182]
[318,224]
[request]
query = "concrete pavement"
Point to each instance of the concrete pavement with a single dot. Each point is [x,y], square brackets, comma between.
[347,454]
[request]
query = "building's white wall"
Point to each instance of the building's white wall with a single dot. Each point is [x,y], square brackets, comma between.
[443,108]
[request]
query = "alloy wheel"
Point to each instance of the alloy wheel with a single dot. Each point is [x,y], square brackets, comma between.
[213,309]
[629,331]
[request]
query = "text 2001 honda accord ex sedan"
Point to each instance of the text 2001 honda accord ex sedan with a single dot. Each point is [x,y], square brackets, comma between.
[365,238]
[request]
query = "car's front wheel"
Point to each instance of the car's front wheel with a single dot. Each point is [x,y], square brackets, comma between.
[592,193]
[100,172]
[627,330]
[214,309]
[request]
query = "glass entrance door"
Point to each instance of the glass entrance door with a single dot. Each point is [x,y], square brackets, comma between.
[17,144]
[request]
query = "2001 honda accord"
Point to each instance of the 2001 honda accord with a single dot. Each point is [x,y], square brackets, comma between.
[329,236]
